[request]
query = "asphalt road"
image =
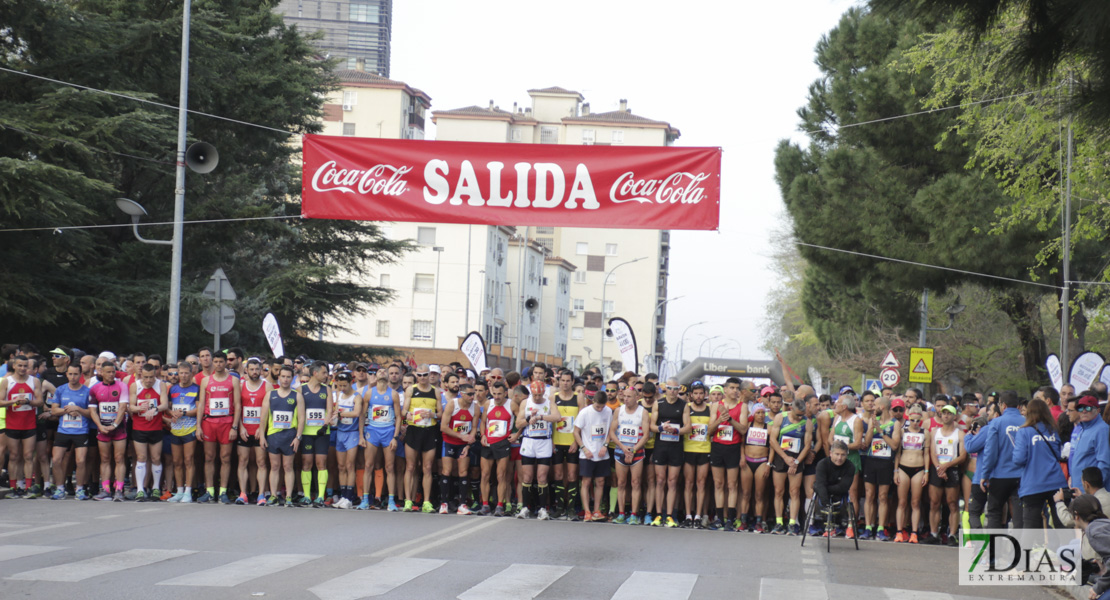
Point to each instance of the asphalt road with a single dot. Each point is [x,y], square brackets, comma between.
[93,550]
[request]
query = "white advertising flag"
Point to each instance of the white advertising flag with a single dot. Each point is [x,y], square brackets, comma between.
[273,334]
[474,347]
[1055,371]
[1085,369]
[815,379]
[626,343]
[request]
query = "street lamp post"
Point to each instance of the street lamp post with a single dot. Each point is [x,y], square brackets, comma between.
[682,340]
[657,358]
[179,193]
[435,314]
[708,339]
[601,351]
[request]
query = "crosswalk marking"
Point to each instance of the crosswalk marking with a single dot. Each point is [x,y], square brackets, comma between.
[894,594]
[242,571]
[774,589]
[12,552]
[100,565]
[102,517]
[517,582]
[657,586]
[375,580]
[37,529]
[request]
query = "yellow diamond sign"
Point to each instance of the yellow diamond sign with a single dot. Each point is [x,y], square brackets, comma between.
[921,365]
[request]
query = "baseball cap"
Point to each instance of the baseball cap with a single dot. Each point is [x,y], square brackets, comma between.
[108,354]
[716,388]
[59,352]
[1088,401]
[846,390]
[898,403]
[697,385]
[766,391]
[434,369]
[950,408]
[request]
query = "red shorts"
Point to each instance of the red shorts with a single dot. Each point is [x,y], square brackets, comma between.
[119,434]
[514,453]
[217,430]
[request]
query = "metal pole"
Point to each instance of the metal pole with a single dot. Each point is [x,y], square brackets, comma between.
[656,358]
[682,341]
[1065,305]
[219,316]
[179,195]
[924,318]
[520,303]
[466,319]
[435,314]
[601,352]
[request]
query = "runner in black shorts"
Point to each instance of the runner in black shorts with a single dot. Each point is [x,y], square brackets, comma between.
[670,421]
[728,421]
[884,437]
[564,459]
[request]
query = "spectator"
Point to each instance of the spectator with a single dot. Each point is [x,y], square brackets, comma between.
[1093,484]
[835,474]
[1089,447]
[1001,477]
[1089,516]
[1037,453]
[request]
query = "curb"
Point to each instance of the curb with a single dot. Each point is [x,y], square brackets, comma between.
[1078,592]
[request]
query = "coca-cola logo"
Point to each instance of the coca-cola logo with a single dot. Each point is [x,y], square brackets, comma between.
[678,187]
[383,180]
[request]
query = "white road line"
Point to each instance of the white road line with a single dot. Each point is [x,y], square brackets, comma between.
[517,582]
[149,510]
[392,550]
[443,540]
[12,552]
[810,561]
[894,594]
[809,571]
[242,571]
[657,586]
[101,565]
[102,517]
[35,529]
[775,589]
[375,580]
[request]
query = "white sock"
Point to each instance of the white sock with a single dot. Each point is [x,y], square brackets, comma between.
[188,490]
[157,475]
[140,475]
[180,490]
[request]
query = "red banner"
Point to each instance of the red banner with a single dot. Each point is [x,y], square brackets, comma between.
[624,187]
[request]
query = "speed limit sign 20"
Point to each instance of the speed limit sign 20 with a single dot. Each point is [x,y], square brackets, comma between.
[890,377]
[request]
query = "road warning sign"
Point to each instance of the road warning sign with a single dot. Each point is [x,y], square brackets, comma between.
[921,365]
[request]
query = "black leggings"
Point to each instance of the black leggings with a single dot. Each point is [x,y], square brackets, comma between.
[998,495]
[1033,509]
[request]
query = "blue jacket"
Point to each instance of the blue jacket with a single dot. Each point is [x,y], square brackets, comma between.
[1036,451]
[1090,447]
[974,443]
[996,460]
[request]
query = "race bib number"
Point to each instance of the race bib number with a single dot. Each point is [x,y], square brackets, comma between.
[422,417]
[566,425]
[699,432]
[70,421]
[538,427]
[792,445]
[314,417]
[219,407]
[24,403]
[108,412]
[382,413]
[283,419]
[880,449]
[913,441]
[726,433]
[945,453]
[497,429]
[598,432]
[842,438]
[756,437]
[252,415]
[628,435]
[184,408]
[668,432]
[461,427]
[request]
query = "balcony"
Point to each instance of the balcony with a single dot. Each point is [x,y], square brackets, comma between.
[416,120]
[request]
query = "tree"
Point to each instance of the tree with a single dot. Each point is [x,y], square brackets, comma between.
[66,153]
[887,189]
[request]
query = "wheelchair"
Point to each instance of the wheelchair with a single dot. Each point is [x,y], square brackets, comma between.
[839,507]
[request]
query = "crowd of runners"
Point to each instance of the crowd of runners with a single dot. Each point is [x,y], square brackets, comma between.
[545,444]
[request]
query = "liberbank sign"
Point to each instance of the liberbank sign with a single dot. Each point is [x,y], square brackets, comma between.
[626,187]
[700,367]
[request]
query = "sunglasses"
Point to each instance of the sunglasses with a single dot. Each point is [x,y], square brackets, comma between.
[467,394]
[674,387]
[1085,409]
[898,410]
[914,420]
[495,377]
[422,374]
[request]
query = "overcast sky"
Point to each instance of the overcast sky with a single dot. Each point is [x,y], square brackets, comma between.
[728,75]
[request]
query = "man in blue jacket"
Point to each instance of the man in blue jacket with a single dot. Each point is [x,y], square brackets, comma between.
[1089,442]
[974,442]
[998,474]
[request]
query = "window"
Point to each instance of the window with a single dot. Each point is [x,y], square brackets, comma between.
[610,249]
[426,236]
[517,135]
[582,248]
[549,135]
[383,329]
[348,129]
[547,243]
[383,280]
[362,40]
[609,307]
[545,230]
[617,137]
[424,283]
[587,137]
[577,333]
[422,330]
[579,304]
[364,13]
[350,98]
[352,63]
[579,277]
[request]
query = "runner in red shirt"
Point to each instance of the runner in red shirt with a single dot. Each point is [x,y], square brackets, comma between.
[254,390]
[109,403]
[497,439]
[218,424]
[20,394]
[151,400]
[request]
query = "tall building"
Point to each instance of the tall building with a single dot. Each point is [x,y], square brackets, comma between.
[619,272]
[357,32]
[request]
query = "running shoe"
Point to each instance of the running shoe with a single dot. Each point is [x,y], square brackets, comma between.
[289,503]
[716,525]
[758,527]
[704,523]
[82,494]
[814,530]
[318,503]
[273,500]
[670,523]
[365,504]
[465,510]
[913,538]
[186,498]
[166,495]
[140,496]
[740,525]
[598,516]
[838,532]
[866,534]
[224,499]
[499,511]
[634,520]
[392,506]
[443,508]
[524,513]
[576,516]
[118,496]
[930,539]
[204,498]
[130,494]
[620,520]
[241,500]
[729,526]
[850,532]
[408,506]
[589,517]
[484,511]
[329,501]
[155,495]
[794,529]
[778,529]
[261,500]
[541,514]
[657,521]
[34,492]
[304,501]
[427,507]
[375,503]
[687,523]
[59,493]
[900,537]
[952,542]
[882,536]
